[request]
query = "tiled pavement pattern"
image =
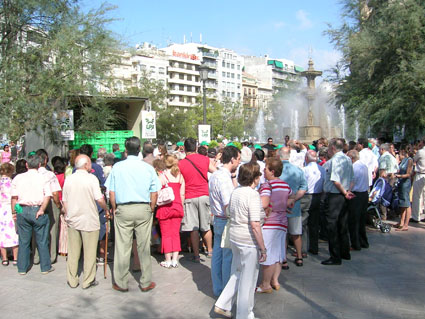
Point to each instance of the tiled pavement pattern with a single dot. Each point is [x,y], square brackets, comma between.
[385,281]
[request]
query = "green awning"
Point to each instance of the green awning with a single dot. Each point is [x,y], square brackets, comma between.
[299,69]
[278,64]
[270,62]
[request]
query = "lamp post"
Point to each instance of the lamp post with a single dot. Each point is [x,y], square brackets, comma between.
[203,73]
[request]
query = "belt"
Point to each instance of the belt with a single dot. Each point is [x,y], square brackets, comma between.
[221,217]
[23,205]
[132,203]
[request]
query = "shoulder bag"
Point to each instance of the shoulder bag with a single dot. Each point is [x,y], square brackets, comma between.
[165,194]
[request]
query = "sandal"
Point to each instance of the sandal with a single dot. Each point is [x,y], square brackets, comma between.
[299,262]
[209,254]
[165,264]
[285,265]
[276,287]
[294,254]
[14,262]
[260,290]
[5,262]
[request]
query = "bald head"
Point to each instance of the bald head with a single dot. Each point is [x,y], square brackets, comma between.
[284,153]
[83,162]
[311,156]
[354,155]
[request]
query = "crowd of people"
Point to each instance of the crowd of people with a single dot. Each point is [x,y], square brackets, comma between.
[241,206]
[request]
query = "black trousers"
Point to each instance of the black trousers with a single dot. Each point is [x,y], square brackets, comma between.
[314,223]
[336,218]
[357,214]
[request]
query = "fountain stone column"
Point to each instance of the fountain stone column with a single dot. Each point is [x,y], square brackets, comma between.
[310,132]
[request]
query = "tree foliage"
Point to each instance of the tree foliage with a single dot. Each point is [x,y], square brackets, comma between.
[384,59]
[50,50]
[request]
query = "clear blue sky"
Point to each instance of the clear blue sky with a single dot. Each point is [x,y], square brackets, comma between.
[281,29]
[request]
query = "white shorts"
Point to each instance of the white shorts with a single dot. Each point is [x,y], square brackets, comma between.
[295,226]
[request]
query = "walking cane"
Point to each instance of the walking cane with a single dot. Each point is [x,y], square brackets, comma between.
[105,265]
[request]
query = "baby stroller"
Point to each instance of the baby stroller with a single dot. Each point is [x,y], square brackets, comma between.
[381,194]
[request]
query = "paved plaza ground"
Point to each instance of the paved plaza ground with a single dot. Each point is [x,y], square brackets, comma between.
[385,281]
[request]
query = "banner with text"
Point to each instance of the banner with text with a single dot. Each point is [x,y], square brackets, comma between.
[148,124]
[204,133]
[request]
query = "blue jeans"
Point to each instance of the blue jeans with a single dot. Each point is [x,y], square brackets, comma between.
[26,225]
[221,260]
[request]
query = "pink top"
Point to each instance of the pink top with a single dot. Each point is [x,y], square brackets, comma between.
[278,191]
[30,188]
[5,157]
[196,185]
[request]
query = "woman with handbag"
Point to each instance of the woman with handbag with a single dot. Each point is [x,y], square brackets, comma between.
[170,210]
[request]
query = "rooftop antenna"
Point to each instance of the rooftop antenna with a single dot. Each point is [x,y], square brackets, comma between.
[191,37]
[200,37]
[184,39]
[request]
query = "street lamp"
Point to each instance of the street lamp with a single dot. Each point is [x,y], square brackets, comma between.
[203,73]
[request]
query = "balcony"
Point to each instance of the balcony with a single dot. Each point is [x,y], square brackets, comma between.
[182,70]
[210,55]
[185,93]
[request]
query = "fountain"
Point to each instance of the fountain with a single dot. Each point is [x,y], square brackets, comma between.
[309,132]
[260,128]
[342,118]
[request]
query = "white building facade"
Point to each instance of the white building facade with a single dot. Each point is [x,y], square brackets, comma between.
[229,71]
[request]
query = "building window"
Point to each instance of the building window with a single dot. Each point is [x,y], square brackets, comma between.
[228,74]
[189,67]
[181,65]
[233,75]
[228,65]
[233,66]
[223,64]
[239,95]
[181,98]
[181,76]
[223,93]
[161,70]
[181,87]
[239,76]
[233,94]
[189,77]
[188,88]
[238,67]
[162,82]
[142,67]
[228,94]
[152,69]
[223,74]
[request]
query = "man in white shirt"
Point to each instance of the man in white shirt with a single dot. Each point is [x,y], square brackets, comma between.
[310,203]
[296,158]
[221,185]
[368,158]
[419,183]
[53,209]
[357,207]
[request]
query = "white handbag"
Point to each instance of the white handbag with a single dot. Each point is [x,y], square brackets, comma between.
[165,194]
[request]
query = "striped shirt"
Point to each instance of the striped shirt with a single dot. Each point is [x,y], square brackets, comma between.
[278,191]
[245,207]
